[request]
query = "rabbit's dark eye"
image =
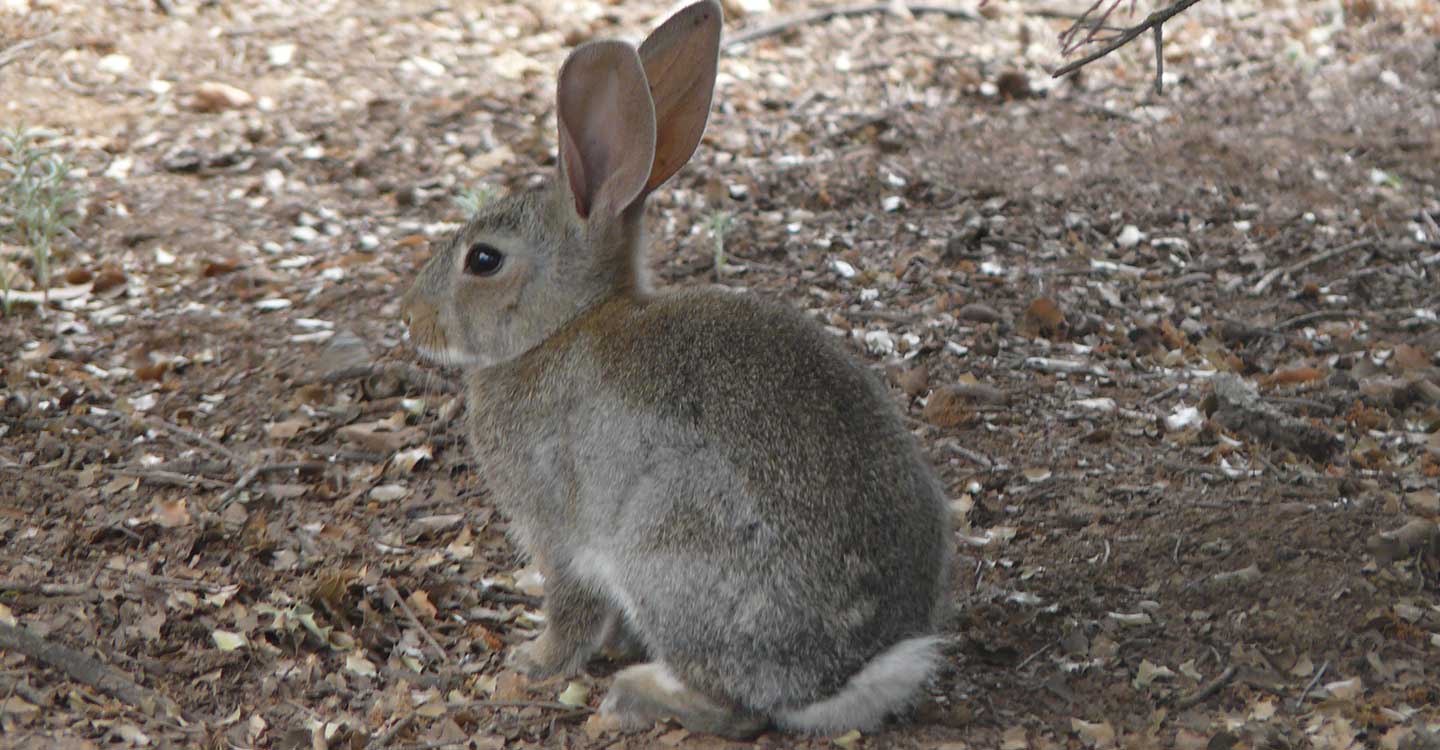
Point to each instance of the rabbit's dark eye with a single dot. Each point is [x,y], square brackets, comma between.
[483,259]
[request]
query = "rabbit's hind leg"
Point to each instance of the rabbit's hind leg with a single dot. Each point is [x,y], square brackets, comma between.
[646,693]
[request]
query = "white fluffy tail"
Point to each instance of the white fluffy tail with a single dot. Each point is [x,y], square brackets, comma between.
[886,684]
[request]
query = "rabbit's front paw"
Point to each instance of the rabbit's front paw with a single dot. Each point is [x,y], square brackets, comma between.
[543,658]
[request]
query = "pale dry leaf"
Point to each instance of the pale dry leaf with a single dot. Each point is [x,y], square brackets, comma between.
[357,663]
[575,694]
[171,514]
[226,640]
[1098,735]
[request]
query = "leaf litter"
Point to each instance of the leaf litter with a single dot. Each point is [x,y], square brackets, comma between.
[1177,370]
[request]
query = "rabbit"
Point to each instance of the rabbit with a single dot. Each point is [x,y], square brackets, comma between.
[702,475]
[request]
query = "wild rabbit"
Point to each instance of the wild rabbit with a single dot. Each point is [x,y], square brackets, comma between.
[699,473]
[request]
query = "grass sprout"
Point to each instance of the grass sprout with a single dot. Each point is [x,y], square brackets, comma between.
[36,203]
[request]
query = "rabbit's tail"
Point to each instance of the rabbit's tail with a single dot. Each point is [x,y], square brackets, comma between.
[886,684]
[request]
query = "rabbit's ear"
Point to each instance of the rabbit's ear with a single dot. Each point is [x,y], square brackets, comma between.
[680,59]
[607,127]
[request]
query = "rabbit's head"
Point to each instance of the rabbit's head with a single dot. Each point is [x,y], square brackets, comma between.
[528,263]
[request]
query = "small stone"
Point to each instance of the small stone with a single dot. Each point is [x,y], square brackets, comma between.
[368,242]
[427,66]
[212,96]
[114,64]
[280,55]
[979,313]
[892,203]
[304,234]
[845,270]
[739,192]
[1130,236]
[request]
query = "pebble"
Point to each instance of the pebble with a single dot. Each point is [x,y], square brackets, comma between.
[115,64]
[845,270]
[1130,236]
[212,96]
[280,55]
[304,234]
[892,203]
[979,313]
[369,242]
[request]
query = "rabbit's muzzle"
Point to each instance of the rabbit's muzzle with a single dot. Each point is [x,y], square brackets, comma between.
[422,322]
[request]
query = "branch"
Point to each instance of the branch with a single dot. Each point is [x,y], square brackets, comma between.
[1153,21]
[850,11]
[85,669]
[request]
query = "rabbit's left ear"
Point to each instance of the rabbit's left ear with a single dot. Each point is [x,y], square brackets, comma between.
[680,59]
[607,128]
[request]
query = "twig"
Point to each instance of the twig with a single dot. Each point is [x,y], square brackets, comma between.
[850,11]
[974,457]
[197,439]
[543,705]
[1316,317]
[1154,20]
[170,478]
[407,375]
[1310,261]
[48,589]
[1208,690]
[393,597]
[1300,702]
[1035,655]
[255,471]
[391,733]
[85,669]
[12,53]
[309,20]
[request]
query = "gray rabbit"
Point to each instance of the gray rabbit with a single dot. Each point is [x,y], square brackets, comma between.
[702,475]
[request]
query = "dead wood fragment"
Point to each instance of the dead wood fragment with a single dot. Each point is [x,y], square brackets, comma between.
[1208,690]
[1416,537]
[393,597]
[826,14]
[87,670]
[1241,410]
[384,377]
[1071,40]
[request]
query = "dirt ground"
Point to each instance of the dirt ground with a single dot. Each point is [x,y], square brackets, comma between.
[222,476]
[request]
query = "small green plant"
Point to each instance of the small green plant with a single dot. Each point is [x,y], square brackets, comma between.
[719,223]
[36,204]
[471,200]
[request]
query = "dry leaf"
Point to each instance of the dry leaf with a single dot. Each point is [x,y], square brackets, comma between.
[1044,319]
[1097,735]
[171,514]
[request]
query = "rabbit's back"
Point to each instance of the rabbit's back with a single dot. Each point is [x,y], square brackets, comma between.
[743,488]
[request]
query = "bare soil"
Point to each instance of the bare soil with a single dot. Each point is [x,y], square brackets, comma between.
[222,476]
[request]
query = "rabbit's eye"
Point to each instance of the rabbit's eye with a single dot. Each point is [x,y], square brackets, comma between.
[483,259]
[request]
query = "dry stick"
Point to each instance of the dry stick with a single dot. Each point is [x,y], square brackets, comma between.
[391,733]
[171,478]
[12,53]
[1318,258]
[84,669]
[1317,316]
[48,589]
[821,16]
[1152,21]
[197,439]
[255,472]
[395,601]
[1300,702]
[1210,689]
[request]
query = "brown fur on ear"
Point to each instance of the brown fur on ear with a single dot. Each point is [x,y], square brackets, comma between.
[680,61]
[607,127]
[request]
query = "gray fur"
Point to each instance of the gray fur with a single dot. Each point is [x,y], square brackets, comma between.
[703,475]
